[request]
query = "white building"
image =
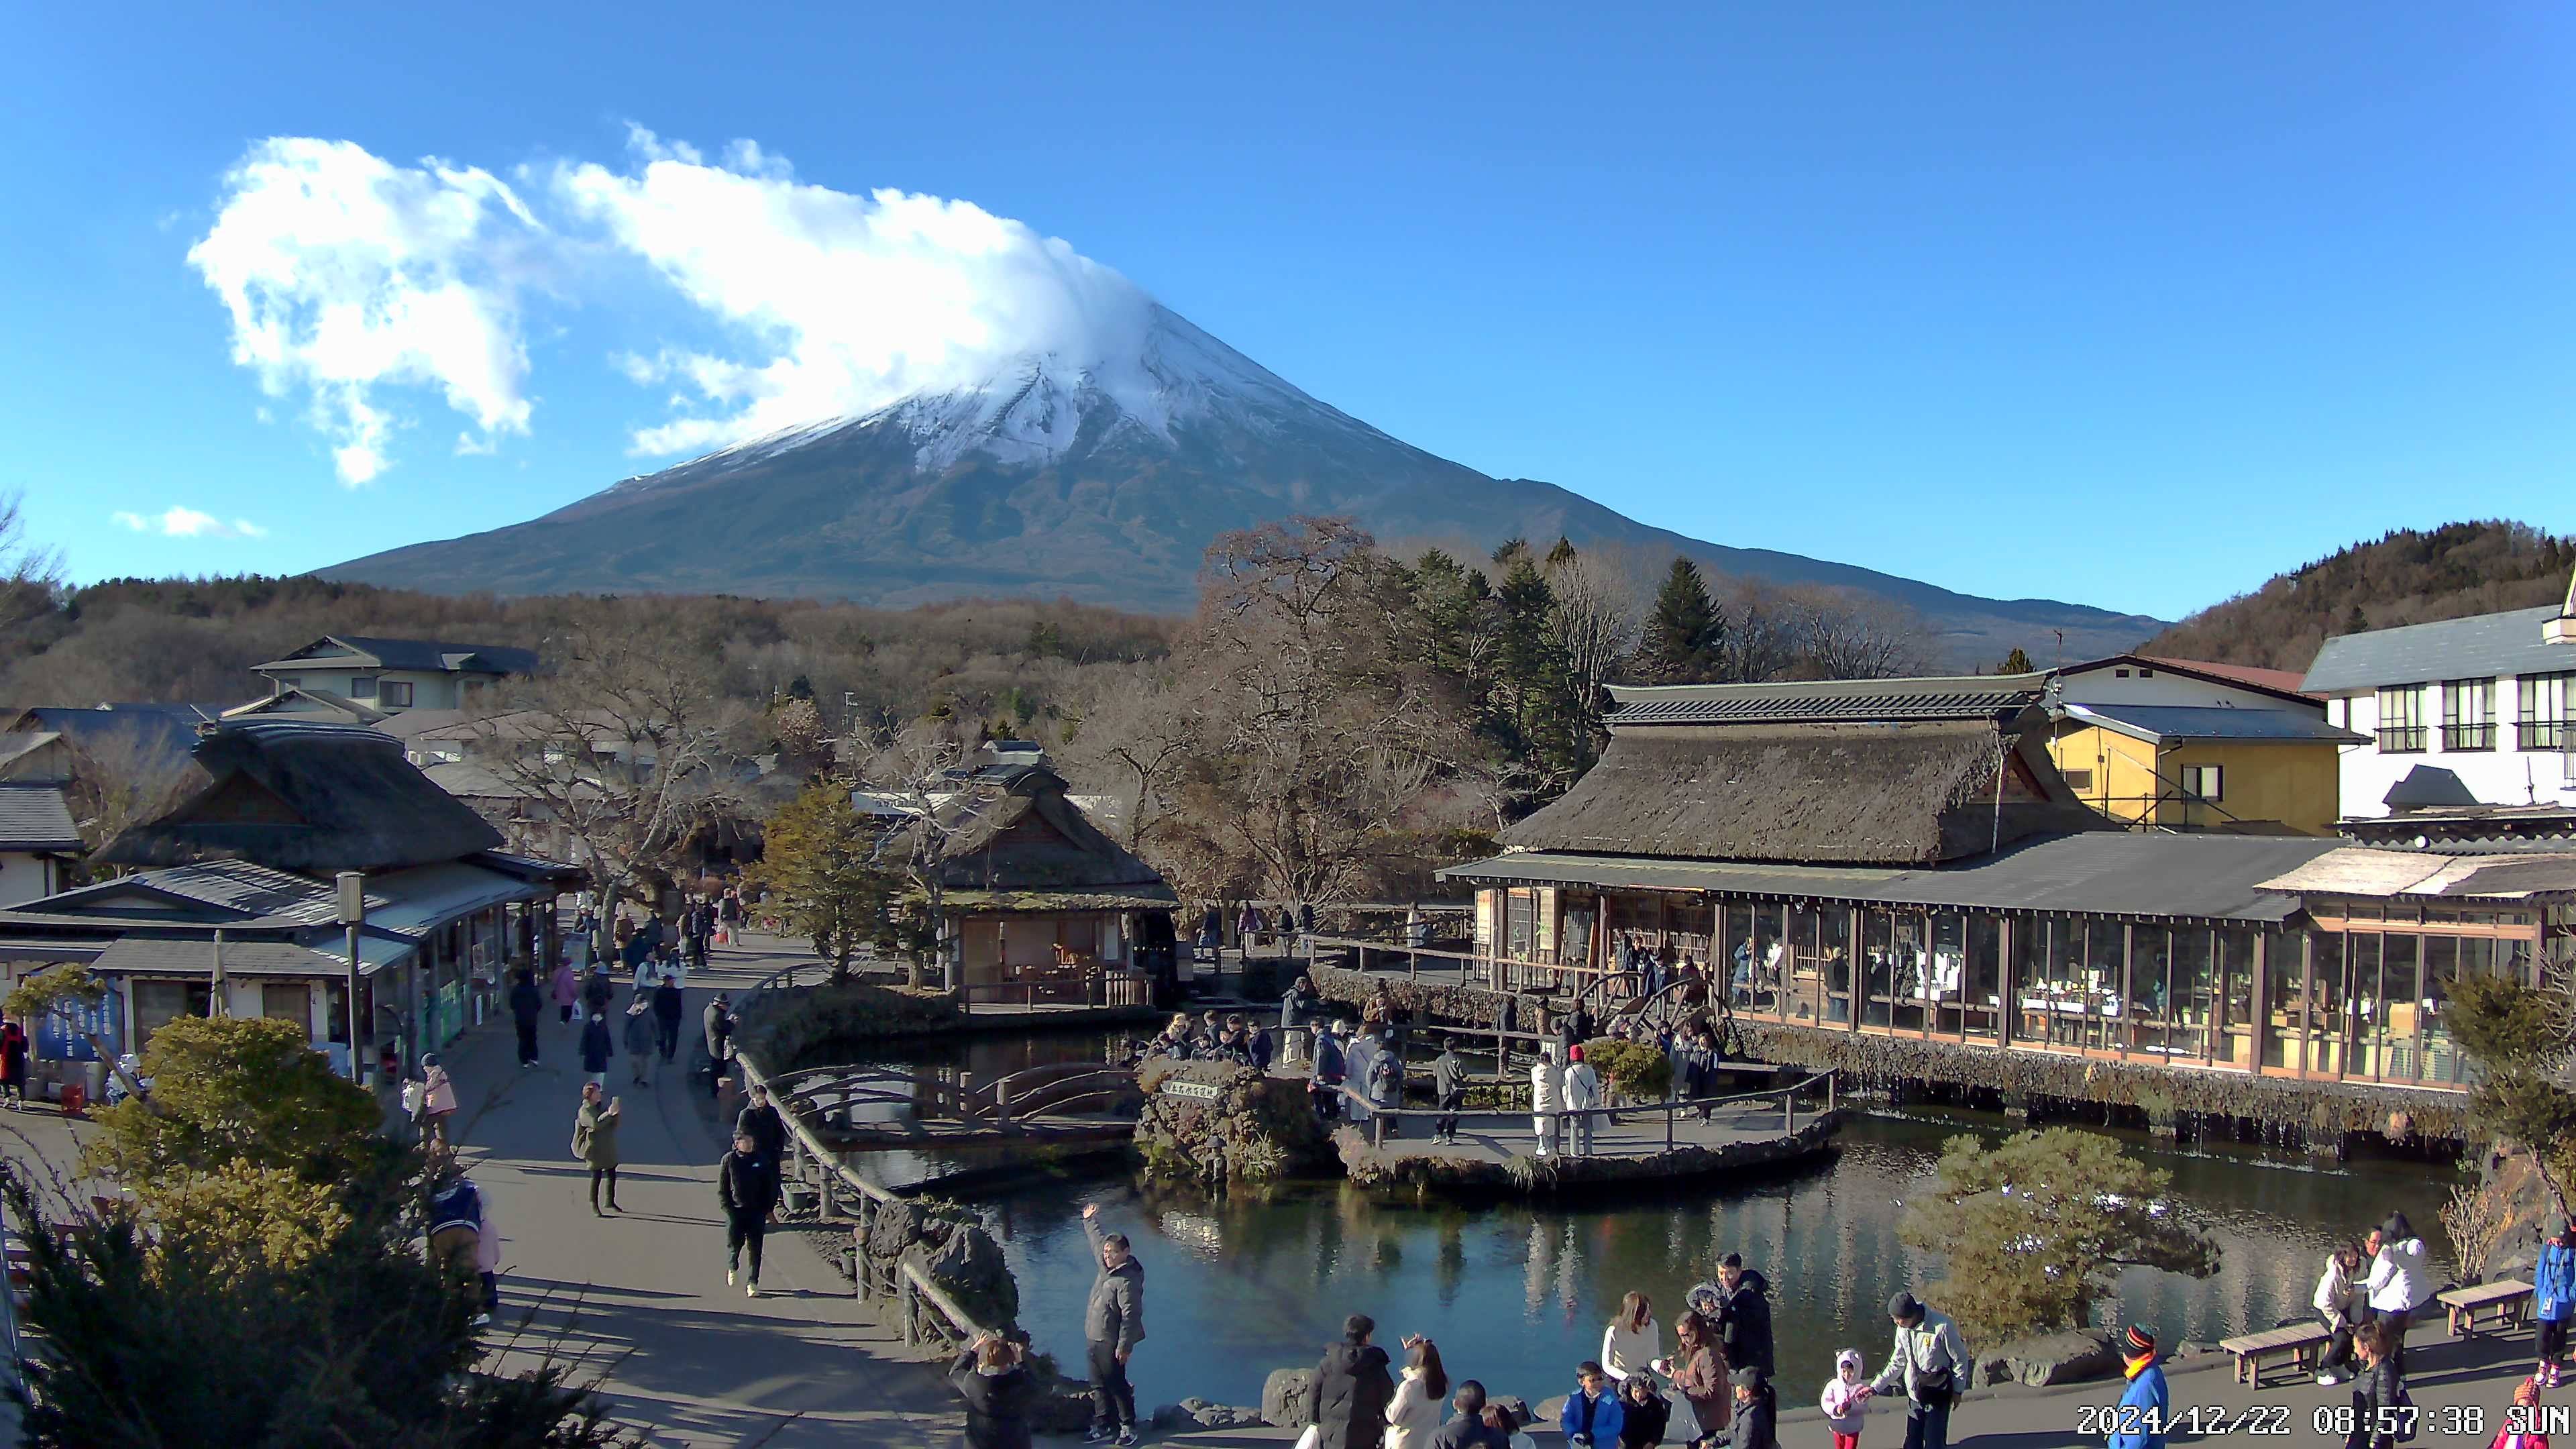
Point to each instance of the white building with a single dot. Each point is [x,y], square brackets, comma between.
[2466,715]
[37,841]
[388,675]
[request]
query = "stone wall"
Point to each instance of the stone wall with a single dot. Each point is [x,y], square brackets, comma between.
[1231,1123]
[1375,1167]
[1349,991]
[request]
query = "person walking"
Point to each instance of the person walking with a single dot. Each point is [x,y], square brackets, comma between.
[639,1042]
[1546,1097]
[991,1376]
[729,917]
[1413,1415]
[1591,1414]
[2553,1300]
[718,1020]
[1331,1068]
[597,1046]
[1352,1389]
[2139,1422]
[437,1097]
[567,989]
[594,1139]
[527,1005]
[1699,1373]
[1929,1361]
[1113,1322]
[1748,1314]
[2400,1281]
[2339,1302]
[1296,1007]
[668,1004]
[1633,1341]
[1448,1090]
[13,1063]
[1582,1094]
[456,1228]
[597,991]
[747,1190]
[1845,1401]
[2381,1408]
[759,1117]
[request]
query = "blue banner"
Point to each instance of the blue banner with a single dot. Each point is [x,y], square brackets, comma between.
[63,1035]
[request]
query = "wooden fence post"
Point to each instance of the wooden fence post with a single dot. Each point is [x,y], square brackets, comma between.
[1829,1091]
[1789,1110]
[904,1301]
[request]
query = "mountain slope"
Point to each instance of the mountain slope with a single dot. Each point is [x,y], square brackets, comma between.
[1100,479]
[2407,576]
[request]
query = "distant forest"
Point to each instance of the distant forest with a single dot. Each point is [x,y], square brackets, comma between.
[2407,576]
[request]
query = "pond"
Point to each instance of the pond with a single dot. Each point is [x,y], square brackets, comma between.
[1516,1294]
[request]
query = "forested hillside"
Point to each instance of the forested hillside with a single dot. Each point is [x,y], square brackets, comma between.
[2406,576]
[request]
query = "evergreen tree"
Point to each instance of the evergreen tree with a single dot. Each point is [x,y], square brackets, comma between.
[1546,722]
[2356,622]
[1686,634]
[2016,662]
[1563,551]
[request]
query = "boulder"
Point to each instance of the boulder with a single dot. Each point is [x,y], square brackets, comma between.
[1191,1414]
[1285,1397]
[2060,1358]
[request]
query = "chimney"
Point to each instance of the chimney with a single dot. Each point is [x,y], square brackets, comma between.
[2562,630]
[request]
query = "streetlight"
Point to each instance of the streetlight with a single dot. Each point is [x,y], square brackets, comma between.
[353,914]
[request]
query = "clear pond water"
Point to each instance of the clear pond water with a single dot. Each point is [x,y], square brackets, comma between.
[1516,1293]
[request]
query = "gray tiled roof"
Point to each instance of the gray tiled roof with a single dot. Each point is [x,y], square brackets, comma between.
[2204,722]
[1828,700]
[34,817]
[430,655]
[2480,647]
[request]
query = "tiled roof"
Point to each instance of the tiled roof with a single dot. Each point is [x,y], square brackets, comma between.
[34,817]
[1838,701]
[2482,646]
[429,655]
[2203,722]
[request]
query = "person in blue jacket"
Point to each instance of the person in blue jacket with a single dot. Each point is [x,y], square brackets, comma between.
[1592,1415]
[2553,1300]
[2140,1422]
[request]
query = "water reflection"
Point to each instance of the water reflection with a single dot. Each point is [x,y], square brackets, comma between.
[1518,1294]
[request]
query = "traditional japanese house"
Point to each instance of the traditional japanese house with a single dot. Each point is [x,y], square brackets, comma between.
[1892,876]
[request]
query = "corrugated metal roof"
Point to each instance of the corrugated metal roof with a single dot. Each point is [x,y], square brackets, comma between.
[2355,870]
[2153,722]
[35,817]
[2478,647]
[415,901]
[1828,700]
[2178,877]
[186,956]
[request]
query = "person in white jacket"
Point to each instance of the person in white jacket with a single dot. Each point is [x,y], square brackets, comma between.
[1582,1094]
[1633,1340]
[1413,1415]
[2338,1301]
[1545,1098]
[2401,1280]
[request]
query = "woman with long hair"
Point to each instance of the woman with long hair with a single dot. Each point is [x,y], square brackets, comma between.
[1698,1371]
[1632,1341]
[1413,1415]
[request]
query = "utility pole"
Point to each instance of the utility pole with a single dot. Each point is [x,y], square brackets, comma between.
[353,914]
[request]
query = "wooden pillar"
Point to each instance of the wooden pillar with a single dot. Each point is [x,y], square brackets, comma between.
[2259,998]
[1856,973]
[2007,997]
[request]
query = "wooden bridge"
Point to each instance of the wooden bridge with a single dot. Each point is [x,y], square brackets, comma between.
[864,1108]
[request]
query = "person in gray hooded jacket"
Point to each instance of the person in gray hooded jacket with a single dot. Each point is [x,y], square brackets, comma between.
[1112,1323]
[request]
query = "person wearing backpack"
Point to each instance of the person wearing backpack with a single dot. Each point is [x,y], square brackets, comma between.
[1385,1086]
[2553,1300]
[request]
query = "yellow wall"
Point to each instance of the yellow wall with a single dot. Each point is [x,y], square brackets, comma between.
[2293,783]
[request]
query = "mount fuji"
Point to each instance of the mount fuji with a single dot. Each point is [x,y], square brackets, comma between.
[1098,473]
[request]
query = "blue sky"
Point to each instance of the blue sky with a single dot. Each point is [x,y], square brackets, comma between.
[2130,307]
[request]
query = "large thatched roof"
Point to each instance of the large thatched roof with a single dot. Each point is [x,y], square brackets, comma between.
[1916,792]
[1012,832]
[313,798]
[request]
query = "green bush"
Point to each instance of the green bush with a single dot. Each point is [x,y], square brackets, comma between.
[1636,1069]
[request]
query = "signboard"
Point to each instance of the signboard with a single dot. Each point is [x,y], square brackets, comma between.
[63,1035]
[1204,1091]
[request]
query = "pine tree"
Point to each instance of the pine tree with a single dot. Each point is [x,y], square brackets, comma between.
[2356,622]
[2016,662]
[1686,635]
[1563,551]
[1546,722]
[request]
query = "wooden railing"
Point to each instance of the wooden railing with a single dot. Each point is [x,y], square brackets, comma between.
[1093,988]
[829,1093]
[1669,1108]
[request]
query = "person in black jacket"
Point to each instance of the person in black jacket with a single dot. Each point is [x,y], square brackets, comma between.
[761,1122]
[527,1004]
[1756,1424]
[1643,1414]
[1748,1316]
[1352,1387]
[1468,1429]
[996,1386]
[2379,1399]
[747,1189]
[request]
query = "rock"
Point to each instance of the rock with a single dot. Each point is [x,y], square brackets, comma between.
[1284,1397]
[2061,1358]
[1991,1371]
[1519,1406]
[1200,1414]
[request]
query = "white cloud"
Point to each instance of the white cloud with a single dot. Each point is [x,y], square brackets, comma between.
[845,302]
[346,274]
[179,521]
[349,278]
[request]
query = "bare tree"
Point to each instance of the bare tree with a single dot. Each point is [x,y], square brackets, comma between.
[1843,635]
[628,744]
[1600,614]
[123,776]
[31,578]
[912,770]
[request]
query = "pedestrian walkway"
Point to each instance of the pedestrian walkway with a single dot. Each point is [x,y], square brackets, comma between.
[640,1298]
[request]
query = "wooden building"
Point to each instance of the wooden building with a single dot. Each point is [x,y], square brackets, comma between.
[1893,876]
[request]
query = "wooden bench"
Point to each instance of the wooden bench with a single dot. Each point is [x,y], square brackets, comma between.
[2506,1300]
[2299,1341]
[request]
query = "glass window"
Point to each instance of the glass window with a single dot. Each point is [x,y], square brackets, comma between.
[288,1001]
[2236,971]
[1878,968]
[394,694]
[2286,1003]
[1833,943]
[362,686]
[1763,964]
[1981,1000]
[2443,959]
[1910,961]
[2401,1005]
[2468,714]
[2079,781]
[158,1001]
[2203,782]
[2106,980]
[2401,720]
[2192,1007]
[2147,1016]
[1944,972]
[2542,724]
[2344,979]
[1803,991]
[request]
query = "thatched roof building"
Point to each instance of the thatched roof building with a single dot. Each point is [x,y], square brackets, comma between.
[1012,841]
[1853,772]
[312,798]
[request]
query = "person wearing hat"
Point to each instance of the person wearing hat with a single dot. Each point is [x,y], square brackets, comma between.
[1757,1411]
[2140,1421]
[639,1041]
[2400,1281]
[718,1018]
[1643,1412]
[1930,1362]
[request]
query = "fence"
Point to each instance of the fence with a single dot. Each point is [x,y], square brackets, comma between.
[830,1093]
[1670,1108]
[1091,988]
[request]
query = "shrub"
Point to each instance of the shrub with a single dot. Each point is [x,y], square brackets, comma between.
[1637,1069]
